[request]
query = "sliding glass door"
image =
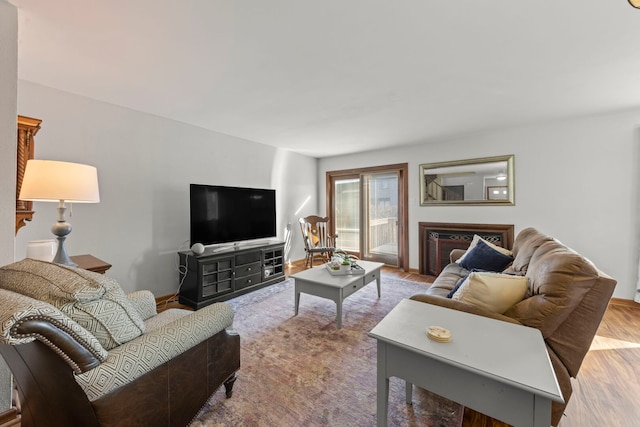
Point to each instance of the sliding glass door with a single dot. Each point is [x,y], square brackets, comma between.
[379,240]
[368,211]
[347,213]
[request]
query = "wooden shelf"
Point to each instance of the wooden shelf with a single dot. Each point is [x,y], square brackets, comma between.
[27,129]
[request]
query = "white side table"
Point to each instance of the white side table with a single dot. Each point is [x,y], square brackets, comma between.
[494,367]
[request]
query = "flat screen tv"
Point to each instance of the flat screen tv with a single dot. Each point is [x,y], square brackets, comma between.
[231,214]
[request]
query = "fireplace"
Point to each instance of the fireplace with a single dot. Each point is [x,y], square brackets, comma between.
[438,239]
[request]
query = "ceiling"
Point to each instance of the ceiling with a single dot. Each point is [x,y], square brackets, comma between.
[328,77]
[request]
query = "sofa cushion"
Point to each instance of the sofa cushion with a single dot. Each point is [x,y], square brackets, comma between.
[526,244]
[144,302]
[484,257]
[559,279]
[462,279]
[447,280]
[95,301]
[492,291]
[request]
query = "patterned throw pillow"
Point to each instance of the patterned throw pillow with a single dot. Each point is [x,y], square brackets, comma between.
[95,301]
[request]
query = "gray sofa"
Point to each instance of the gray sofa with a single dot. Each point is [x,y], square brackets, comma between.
[84,353]
[565,299]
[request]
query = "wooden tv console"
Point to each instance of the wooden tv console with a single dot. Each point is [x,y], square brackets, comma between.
[222,274]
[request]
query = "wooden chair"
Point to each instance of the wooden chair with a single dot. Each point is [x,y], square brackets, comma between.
[317,241]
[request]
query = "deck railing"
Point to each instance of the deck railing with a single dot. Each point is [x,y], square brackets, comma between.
[382,232]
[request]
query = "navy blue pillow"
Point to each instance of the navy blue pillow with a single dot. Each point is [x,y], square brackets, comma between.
[484,257]
[455,288]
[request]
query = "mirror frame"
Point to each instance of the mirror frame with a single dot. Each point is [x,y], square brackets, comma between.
[510,182]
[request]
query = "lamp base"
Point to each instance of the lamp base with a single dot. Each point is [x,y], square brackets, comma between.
[61,254]
[61,229]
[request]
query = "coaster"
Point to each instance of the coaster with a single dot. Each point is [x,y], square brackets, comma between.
[438,334]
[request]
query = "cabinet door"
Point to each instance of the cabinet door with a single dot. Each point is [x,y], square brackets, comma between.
[217,277]
[273,263]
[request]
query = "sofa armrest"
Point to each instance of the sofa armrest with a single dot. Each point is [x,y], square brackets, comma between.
[456,254]
[24,319]
[144,302]
[152,349]
[461,306]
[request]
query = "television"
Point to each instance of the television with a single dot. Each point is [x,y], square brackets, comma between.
[220,214]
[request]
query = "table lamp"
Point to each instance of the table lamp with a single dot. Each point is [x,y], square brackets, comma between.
[52,181]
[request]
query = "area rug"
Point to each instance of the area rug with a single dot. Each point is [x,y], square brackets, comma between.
[303,371]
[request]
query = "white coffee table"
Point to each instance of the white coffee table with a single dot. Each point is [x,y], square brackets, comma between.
[319,282]
[495,367]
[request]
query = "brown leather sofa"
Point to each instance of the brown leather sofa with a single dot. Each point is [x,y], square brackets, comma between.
[566,299]
[83,353]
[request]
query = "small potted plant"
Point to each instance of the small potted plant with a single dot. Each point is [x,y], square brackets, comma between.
[344,259]
[335,263]
[345,264]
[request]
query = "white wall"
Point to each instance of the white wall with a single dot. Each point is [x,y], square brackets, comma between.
[8,89]
[8,96]
[145,165]
[576,180]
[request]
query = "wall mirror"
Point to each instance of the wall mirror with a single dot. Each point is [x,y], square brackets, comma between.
[485,181]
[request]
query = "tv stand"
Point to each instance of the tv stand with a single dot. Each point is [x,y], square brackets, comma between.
[229,272]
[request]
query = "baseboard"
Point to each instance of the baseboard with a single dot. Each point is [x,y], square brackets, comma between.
[10,418]
[624,302]
[165,298]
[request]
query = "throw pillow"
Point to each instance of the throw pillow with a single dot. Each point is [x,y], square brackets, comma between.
[492,291]
[475,241]
[457,286]
[94,301]
[485,257]
[459,283]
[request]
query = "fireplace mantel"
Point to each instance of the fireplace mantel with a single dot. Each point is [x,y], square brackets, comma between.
[438,239]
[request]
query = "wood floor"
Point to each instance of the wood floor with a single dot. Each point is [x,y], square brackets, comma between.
[608,384]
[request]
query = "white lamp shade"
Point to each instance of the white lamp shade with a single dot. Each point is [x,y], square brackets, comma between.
[52,181]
